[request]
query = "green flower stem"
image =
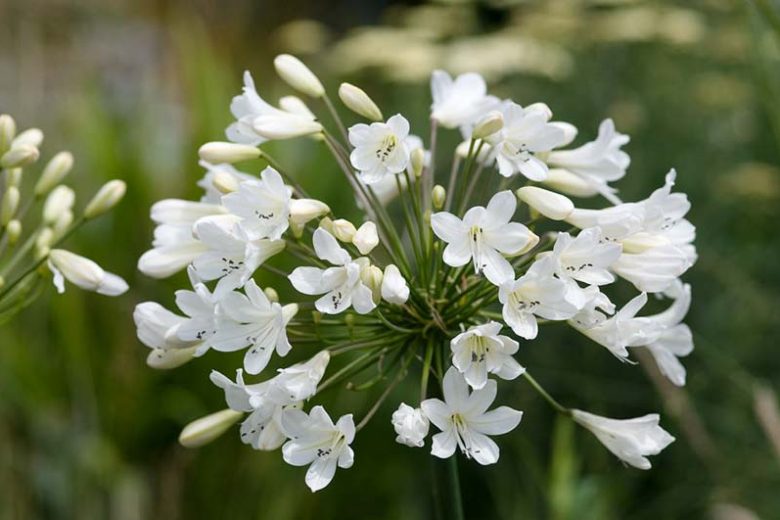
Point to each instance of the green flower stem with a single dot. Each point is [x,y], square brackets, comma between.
[398,378]
[426,371]
[455,492]
[453,178]
[547,397]
[474,177]
[335,115]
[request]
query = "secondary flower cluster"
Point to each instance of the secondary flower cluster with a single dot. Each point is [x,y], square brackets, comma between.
[22,259]
[437,282]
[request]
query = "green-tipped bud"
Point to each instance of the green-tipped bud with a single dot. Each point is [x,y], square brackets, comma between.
[550,204]
[218,152]
[30,137]
[206,429]
[19,156]
[298,76]
[438,196]
[13,231]
[488,125]
[417,159]
[7,132]
[343,230]
[59,201]
[271,294]
[9,205]
[13,177]
[105,199]
[55,171]
[357,100]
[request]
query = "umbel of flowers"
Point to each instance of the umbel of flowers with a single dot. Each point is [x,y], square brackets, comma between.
[431,291]
[37,214]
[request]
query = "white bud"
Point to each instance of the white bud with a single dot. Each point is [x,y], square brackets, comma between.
[206,429]
[357,100]
[7,132]
[63,223]
[305,210]
[166,359]
[31,137]
[394,287]
[54,172]
[366,238]
[283,125]
[9,205]
[298,76]
[43,242]
[13,231]
[271,294]
[569,183]
[61,199]
[344,230]
[550,204]
[106,198]
[217,152]
[372,277]
[327,224]
[488,125]
[19,156]
[83,273]
[224,182]
[295,105]
[417,159]
[438,196]
[411,426]
[13,177]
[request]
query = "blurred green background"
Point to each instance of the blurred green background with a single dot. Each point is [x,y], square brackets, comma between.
[133,87]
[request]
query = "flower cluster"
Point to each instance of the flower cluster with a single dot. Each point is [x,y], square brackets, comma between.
[442,282]
[48,217]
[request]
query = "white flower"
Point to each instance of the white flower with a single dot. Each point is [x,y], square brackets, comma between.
[253,320]
[536,293]
[526,132]
[299,382]
[366,238]
[156,328]
[341,285]
[616,333]
[481,350]
[411,426]
[631,440]
[83,273]
[465,422]
[483,236]
[285,125]
[199,305]
[394,288]
[211,194]
[598,162]
[317,442]
[232,257]
[263,205]
[380,148]
[461,101]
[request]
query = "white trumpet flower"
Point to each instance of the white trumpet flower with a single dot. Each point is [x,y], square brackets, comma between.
[83,273]
[481,350]
[461,101]
[380,149]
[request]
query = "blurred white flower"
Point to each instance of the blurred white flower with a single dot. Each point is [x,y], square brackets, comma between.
[83,273]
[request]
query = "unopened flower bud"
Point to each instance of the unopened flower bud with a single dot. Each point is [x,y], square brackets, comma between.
[206,429]
[43,242]
[488,125]
[343,230]
[13,177]
[19,156]
[9,205]
[327,224]
[285,126]
[224,182]
[569,183]
[61,199]
[372,277]
[83,273]
[271,294]
[550,204]
[298,76]
[166,359]
[305,210]
[438,196]
[394,287]
[13,231]
[366,238]
[417,159]
[31,137]
[295,105]
[7,132]
[217,152]
[55,171]
[62,224]
[357,100]
[105,199]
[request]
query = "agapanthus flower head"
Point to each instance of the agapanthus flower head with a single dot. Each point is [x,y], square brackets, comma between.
[430,292]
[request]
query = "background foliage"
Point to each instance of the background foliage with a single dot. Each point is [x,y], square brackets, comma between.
[133,88]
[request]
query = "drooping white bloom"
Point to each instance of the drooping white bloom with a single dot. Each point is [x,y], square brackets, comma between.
[156,328]
[596,163]
[252,320]
[341,285]
[394,288]
[411,426]
[617,332]
[526,132]
[317,442]
[231,257]
[83,273]
[536,293]
[465,422]
[483,236]
[461,101]
[380,148]
[263,205]
[366,238]
[200,307]
[631,440]
[481,350]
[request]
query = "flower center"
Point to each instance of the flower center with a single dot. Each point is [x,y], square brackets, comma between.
[386,147]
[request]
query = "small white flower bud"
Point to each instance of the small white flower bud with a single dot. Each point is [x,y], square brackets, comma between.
[217,152]
[357,100]
[488,125]
[14,177]
[19,156]
[410,425]
[327,224]
[271,294]
[31,137]
[295,105]
[550,204]
[105,199]
[13,231]
[394,287]
[63,223]
[60,200]
[305,210]
[285,126]
[166,359]
[298,76]
[54,172]
[343,230]
[224,182]
[417,159]
[569,183]
[206,429]
[366,238]
[9,205]
[372,277]
[438,196]
[43,242]
[7,132]
[83,273]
